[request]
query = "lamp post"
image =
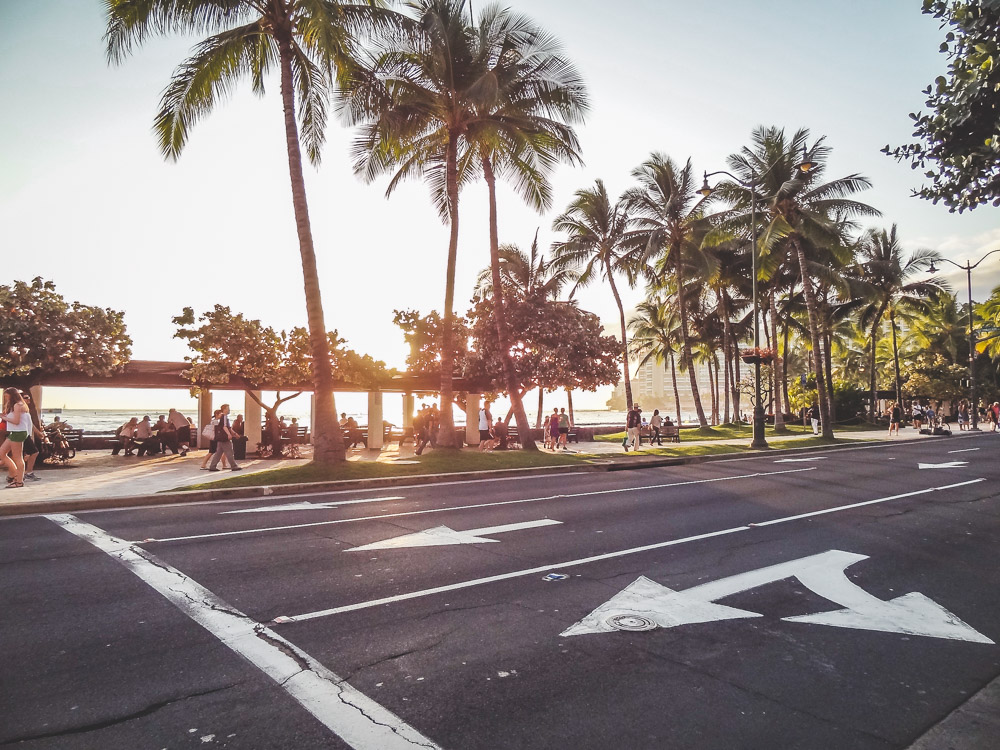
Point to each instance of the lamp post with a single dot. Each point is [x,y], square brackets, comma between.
[972,331]
[759,441]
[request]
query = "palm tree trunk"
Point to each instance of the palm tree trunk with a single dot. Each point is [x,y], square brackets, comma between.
[541,397]
[686,359]
[778,368]
[677,394]
[328,441]
[621,315]
[784,369]
[513,388]
[727,346]
[711,391]
[446,431]
[569,406]
[871,364]
[807,288]
[895,356]
[828,358]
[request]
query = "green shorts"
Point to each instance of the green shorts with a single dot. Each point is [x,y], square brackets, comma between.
[17,437]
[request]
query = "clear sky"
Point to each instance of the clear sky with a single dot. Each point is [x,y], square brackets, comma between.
[87,201]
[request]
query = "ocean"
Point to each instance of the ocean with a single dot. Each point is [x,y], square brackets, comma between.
[108,420]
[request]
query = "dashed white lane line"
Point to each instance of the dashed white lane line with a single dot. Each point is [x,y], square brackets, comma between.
[354,717]
[244,532]
[965,450]
[596,558]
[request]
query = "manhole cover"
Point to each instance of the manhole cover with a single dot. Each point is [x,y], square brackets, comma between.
[631,622]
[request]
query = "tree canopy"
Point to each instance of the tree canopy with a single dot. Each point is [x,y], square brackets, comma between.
[959,137]
[41,333]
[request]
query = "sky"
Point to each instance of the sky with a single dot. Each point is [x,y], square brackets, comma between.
[87,201]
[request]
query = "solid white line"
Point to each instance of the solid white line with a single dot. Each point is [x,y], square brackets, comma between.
[966,450]
[356,719]
[469,507]
[596,558]
[503,577]
[311,506]
[513,527]
[867,502]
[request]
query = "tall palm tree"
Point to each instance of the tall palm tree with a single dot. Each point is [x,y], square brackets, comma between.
[524,275]
[669,219]
[417,102]
[524,129]
[887,275]
[312,45]
[804,217]
[598,245]
[655,337]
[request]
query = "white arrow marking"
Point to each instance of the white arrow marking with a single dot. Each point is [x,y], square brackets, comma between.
[645,605]
[946,465]
[441,535]
[799,460]
[306,505]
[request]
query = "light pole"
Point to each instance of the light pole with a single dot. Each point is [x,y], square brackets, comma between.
[972,331]
[759,441]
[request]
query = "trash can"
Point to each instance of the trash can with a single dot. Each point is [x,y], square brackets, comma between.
[240,448]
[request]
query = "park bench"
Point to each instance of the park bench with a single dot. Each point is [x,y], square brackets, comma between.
[53,453]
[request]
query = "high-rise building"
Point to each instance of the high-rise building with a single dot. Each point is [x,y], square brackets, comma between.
[652,389]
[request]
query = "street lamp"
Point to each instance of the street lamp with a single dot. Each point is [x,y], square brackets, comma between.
[972,332]
[759,441]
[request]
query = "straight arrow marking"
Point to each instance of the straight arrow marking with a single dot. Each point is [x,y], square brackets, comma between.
[442,535]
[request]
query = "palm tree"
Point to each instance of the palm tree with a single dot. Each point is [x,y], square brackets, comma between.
[522,132]
[524,275]
[311,44]
[598,244]
[655,337]
[804,217]
[669,220]
[887,275]
[417,102]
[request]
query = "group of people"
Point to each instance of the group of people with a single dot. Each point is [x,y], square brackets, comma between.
[171,432]
[21,437]
[425,427]
[635,423]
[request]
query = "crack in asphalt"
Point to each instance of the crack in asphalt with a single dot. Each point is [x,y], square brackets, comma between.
[394,730]
[152,708]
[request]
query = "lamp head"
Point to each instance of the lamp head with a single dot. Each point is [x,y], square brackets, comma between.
[933,268]
[807,164]
[705,189]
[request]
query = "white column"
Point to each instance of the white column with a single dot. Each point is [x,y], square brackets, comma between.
[204,414]
[251,420]
[36,397]
[408,403]
[472,419]
[375,435]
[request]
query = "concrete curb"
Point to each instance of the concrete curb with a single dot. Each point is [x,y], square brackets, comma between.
[975,725]
[282,490]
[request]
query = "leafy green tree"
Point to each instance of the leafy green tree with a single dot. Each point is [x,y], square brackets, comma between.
[228,345]
[312,43]
[958,139]
[656,337]
[43,334]
[422,334]
[933,376]
[597,246]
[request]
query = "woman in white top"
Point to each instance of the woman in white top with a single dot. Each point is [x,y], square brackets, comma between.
[18,419]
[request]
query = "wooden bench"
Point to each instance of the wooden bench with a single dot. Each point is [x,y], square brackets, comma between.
[55,454]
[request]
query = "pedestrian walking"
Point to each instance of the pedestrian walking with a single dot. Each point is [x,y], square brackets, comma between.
[18,418]
[421,428]
[633,422]
[553,440]
[224,442]
[35,438]
[655,422]
[485,422]
[564,428]
[813,415]
[917,414]
[209,432]
[895,416]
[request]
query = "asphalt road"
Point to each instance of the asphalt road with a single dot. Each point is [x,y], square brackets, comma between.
[634,609]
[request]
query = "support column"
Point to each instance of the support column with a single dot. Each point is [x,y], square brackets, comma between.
[375,429]
[36,399]
[251,421]
[472,419]
[408,404]
[204,415]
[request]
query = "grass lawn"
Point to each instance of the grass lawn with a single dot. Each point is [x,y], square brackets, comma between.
[674,449]
[730,432]
[435,462]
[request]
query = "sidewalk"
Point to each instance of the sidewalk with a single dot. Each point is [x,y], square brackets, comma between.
[98,474]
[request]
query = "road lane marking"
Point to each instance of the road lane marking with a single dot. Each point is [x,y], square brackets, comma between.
[800,460]
[946,465]
[470,507]
[354,717]
[595,558]
[800,516]
[306,505]
[646,605]
[442,535]
[966,450]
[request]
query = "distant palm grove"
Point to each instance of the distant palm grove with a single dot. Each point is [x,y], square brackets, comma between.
[440,94]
